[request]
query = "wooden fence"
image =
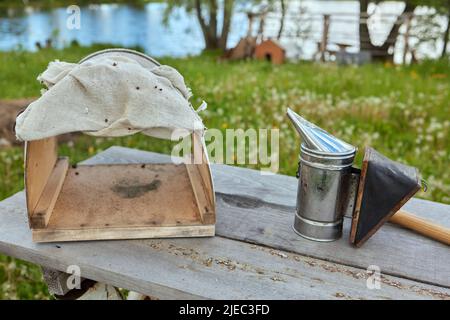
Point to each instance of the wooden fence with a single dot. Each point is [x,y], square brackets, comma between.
[343,39]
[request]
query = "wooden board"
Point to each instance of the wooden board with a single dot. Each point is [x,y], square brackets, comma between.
[44,208]
[40,158]
[260,209]
[200,176]
[124,201]
[117,233]
[203,201]
[200,156]
[207,268]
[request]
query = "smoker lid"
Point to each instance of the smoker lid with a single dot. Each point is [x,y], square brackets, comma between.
[317,139]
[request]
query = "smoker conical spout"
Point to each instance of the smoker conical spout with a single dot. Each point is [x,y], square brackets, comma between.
[316,138]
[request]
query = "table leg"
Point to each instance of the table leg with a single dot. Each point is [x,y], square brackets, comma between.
[58,285]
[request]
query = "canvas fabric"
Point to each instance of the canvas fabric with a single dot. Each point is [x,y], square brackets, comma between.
[111,96]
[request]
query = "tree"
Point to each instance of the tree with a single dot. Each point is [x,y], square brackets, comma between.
[282,18]
[381,52]
[446,34]
[207,12]
[444,8]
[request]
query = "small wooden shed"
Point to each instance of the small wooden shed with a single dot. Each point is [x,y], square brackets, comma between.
[270,50]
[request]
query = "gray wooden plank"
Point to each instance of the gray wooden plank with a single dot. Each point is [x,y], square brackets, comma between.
[260,208]
[212,268]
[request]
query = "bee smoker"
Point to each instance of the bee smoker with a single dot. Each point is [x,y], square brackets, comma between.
[329,188]
[325,181]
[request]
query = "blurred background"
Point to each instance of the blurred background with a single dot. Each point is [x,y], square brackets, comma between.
[371,72]
[172,28]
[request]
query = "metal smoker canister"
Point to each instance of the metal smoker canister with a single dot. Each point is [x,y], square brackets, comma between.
[325,173]
[322,195]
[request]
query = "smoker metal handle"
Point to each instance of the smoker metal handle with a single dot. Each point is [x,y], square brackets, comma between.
[352,191]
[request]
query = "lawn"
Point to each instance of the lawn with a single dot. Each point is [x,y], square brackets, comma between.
[402,111]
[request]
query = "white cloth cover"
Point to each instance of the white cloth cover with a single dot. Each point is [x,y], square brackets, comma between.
[112,96]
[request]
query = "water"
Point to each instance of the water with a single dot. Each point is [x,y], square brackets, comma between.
[125,25]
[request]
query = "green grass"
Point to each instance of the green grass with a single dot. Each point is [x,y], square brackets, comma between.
[403,112]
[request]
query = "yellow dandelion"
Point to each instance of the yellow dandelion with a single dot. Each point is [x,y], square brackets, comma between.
[439,76]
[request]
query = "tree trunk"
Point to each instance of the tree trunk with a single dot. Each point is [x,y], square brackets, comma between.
[446,34]
[213,21]
[262,21]
[204,26]
[364,36]
[283,14]
[227,13]
[380,53]
[211,36]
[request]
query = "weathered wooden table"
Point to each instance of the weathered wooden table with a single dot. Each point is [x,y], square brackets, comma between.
[255,254]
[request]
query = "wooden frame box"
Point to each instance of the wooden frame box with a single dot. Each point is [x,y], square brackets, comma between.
[117,201]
